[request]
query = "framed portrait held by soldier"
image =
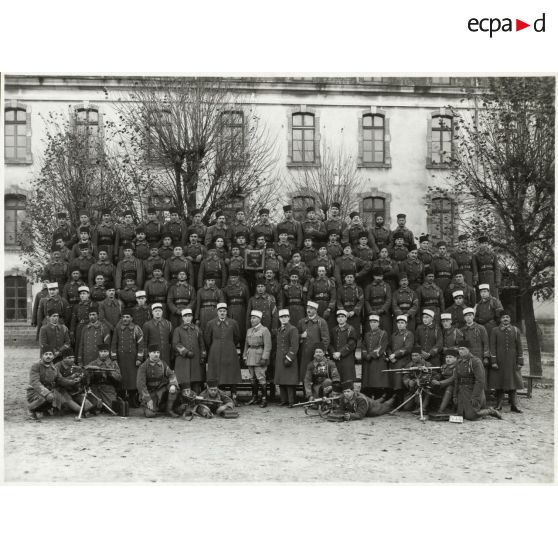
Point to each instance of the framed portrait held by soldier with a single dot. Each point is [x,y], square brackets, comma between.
[254,260]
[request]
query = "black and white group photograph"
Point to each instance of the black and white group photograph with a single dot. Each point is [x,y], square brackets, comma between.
[278,278]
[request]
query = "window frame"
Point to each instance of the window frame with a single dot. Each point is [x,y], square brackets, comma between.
[97,144]
[20,202]
[20,306]
[227,160]
[440,114]
[28,158]
[386,162]
[303,110]
[308,200]
[432,212]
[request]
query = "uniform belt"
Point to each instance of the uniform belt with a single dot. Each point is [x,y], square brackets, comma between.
[236,301]
[444,274]
[323,295]
[466,381]
[255,346]
[208,304]
[182,301]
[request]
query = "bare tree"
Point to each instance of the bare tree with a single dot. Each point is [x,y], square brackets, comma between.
[213,148]
[336,179]
[504,179]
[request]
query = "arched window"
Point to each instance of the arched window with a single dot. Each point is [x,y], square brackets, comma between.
[14,214]
[88,130]
[17,133]
[15,299]
[303,130]
[440,138]
[373,132]
[232,137]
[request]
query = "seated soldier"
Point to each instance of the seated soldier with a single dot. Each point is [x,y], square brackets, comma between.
[442,384]
[321,374]
[157,385]
[213,401]
[47,388]
[74,375]
[354,405]
[104,378]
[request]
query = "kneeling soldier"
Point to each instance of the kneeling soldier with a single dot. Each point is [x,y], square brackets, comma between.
[104,377]
[257,350]
[321,374]
[443,383]
[157,384]
[214,401]
[47,388]
[74,374]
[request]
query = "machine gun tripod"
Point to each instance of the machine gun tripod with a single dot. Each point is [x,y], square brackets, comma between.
[423,379]
[88,391]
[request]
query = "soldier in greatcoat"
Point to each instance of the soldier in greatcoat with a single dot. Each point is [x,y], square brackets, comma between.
[488,309]
[354,229]
[222,336]
[93,333]
[52,302]
[191,354]
[197,227]
[80,316]
[322,290]
[264,227]
[380,233]
[377,300]
[257,354]
[443,266]
[313,228]
[443,382]
[152,227]
[128,350]
[428,336]
[488,266]
[399,251]
[451,334]
[175,228]
[110,309]
[180,296]
[286,362]
[157,385]
[321,374]
[404,301]
[266,304]
[236,296]
[399,352]
[54,335]
[104,266]
[430,296]
[125,233]
[469,386]
[506,352]
[141,312]
[466,262]
[104,235]
[389,267]
[207,299]
[155,259]
[157,288]
[104,377]
[57,270]
[195,252]
[424,252]
[292,227]
[408,236]
[342,347]
[239,226]
[218,229]
[142,246]
[212,267]
[350,297]
[374,346]
[413,268]
[334,223]
[71,292]
[215,401]
[74,377]
[456,309]
[128,265]
[458,284]
[293,298]
[178,262]
[157,331]
[312,330]
[477,337]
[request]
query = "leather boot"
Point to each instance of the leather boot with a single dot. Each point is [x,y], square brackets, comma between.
[263,402]
[254,397]
[170,404]
[512,394]
[499,399]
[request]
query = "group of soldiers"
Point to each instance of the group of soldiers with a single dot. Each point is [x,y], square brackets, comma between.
[165,314]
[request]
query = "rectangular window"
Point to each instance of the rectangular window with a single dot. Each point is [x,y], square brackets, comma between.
[442,220]
[15,298]
[87,129]
[15,135]
[442,131]
[300,203]
[303,138]
[232,137]
[373,206]
[14,214]
[373,135]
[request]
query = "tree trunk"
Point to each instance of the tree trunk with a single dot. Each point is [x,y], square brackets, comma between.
[531,334]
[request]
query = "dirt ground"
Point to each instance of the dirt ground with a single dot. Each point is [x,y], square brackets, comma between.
[272,444]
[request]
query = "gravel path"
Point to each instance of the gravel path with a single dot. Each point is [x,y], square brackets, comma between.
[273,444]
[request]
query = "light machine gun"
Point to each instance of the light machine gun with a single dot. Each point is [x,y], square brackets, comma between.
[323,406]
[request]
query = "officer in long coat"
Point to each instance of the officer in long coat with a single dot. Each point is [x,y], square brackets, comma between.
[374,347]
[342,347]
[128,350]
[222,336]
[92,335]
[506,352]
[399,351]
[189,347]
[312,330]
[110,309]
[470,383]
[286,361]
[157,331]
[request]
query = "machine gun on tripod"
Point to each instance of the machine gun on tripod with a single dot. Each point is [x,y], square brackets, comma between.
[422,376]
[86,382]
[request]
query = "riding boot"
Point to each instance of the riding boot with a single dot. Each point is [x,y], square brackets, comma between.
[254,397]
[170,404]
[446,400]
[512,394]
[263,402]
[499,399]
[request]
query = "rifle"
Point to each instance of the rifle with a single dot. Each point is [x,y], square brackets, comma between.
[319,401]
[412,368]
[202,401]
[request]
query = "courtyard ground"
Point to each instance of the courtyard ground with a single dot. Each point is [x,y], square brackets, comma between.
[272,444]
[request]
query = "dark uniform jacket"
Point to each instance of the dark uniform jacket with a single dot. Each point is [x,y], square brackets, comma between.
[152,377]
[294,229]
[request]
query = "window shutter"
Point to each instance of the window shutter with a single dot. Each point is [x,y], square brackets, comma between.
[387,141]
[29,154]
[317,136]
